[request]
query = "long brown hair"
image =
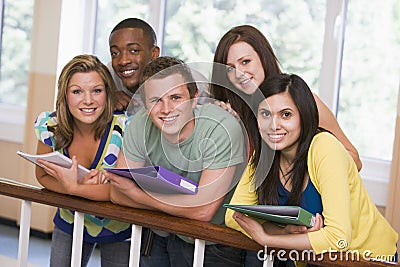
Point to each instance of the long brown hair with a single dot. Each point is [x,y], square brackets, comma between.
[222,89]
[63,132]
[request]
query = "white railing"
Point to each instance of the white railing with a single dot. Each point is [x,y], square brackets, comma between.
[200,231]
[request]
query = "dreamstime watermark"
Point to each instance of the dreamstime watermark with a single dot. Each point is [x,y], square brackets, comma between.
[339,254]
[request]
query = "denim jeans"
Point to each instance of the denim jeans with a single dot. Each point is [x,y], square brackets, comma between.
[171,251]
[251,259]
[112,254]
[282,263]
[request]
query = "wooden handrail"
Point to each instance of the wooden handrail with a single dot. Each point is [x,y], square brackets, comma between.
[158,220]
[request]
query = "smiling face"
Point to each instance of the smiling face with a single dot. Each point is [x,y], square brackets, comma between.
[245,70]
[86,97]
[170,107]
[130,52]
[279,122]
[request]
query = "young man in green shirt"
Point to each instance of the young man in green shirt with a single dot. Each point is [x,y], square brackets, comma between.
[201,142]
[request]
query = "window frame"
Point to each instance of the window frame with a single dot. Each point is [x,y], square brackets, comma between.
[12,123]
[375,172]
[1,25]
[12,118]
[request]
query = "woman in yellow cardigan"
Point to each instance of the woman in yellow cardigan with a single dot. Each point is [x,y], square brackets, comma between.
[301,164]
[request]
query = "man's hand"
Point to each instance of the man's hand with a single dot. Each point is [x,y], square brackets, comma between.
[122,100]
[123,191]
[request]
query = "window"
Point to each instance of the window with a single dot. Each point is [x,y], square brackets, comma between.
[364,72]
[193,29]
[109,13]
[193,39]
[14,66]
[370,76]
[15,51]
[369,87]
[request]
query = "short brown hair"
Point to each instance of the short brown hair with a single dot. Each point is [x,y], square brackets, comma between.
[165,66]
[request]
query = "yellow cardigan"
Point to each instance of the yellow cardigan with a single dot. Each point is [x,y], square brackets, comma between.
[351,219]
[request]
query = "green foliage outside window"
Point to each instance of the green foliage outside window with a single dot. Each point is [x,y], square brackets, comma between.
[15,51]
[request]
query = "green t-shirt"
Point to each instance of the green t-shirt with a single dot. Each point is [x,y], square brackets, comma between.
[216,142]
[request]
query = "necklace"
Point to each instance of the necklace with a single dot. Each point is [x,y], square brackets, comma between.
[287,175]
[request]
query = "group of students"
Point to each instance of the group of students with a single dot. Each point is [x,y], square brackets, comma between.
[267,139]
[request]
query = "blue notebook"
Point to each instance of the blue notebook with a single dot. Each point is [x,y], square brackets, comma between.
[158,180]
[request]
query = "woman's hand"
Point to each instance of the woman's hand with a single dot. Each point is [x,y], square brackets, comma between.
[319,223]
[300,229]
[93,177]
[257,232]
[252,227]
[227,107]
[294,229]
[67,177]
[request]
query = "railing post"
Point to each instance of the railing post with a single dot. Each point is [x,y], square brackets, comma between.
[268,261]
[77,239]
[136,237]
[24,229]
[199,247]
[29,194]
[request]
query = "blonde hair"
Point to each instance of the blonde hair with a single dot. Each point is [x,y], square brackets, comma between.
[63,132]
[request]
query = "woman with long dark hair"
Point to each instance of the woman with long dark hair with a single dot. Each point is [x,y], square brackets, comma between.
[242,61]
[310,168]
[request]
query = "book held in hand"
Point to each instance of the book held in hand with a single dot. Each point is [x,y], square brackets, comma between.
[56,158]
[279,214]
[158,180]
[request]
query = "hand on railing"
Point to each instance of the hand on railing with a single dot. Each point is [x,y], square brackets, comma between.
[158,220]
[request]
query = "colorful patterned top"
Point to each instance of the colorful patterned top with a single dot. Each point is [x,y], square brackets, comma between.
[96,229]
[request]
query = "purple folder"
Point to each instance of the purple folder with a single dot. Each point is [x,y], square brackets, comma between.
[158,180]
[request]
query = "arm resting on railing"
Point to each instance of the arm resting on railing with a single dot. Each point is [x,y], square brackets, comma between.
[158,220]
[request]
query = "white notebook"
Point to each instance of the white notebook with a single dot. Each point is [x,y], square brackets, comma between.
[56,158]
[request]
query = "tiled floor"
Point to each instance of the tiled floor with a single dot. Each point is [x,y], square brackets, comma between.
[39,249]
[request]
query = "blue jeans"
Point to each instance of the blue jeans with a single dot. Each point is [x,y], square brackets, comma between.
[171,251]
[112,254]
[251,259]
